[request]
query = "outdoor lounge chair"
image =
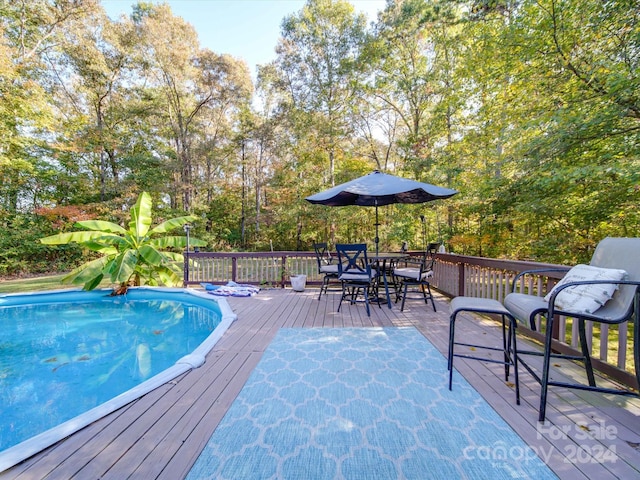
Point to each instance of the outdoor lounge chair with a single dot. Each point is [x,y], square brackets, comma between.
[355,273]
[580,295]
[416,274]
[326,266]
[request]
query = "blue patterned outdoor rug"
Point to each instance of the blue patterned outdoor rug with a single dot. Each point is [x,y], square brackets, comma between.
[365,404]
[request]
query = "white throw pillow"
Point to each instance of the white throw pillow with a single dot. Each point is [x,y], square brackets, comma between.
[586,298]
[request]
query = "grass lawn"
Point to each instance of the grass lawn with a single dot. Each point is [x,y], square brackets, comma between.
[38,284]
[33,284]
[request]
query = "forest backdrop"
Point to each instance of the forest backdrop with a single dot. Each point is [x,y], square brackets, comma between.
[531,109]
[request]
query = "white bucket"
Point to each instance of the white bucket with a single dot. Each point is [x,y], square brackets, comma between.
[298,282]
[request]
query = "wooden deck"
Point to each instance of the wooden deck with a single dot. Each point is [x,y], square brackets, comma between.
[161,434]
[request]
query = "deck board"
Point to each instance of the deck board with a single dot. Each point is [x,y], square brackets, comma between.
[161,434]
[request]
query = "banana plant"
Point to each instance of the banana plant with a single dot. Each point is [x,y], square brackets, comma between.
[129,257]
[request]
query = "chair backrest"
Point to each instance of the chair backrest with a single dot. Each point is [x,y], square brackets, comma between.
[352,258]
[429,258]
[323,255]
[622,253]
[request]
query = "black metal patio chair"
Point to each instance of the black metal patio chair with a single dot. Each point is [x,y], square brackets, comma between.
[355,274]
[326,266]
[416,274]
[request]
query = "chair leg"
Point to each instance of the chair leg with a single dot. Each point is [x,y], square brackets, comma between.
[504,348]
[404,295]
[366,299]
[433,303]
[399,287]
[351,292]
[354,294]
[423,289]
[393,285]
[509,347]
[513,350]
[426,293]
[544,383]
[373,293]
[324,286]
[636,336]
[585,353]
[342,297]
[636,348]
[452,323]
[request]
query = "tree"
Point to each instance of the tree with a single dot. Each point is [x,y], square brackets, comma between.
[129,257]
[191,81]
[31,35]
[318,59]
[561,85]
[99,93]
[414,86]
[403,56]
[228,85]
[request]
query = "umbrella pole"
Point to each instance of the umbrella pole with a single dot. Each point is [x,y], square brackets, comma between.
[377,239]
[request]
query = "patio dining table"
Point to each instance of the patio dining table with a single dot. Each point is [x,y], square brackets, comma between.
[383,262]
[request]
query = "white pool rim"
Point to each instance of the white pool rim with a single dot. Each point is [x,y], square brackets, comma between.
[20,452]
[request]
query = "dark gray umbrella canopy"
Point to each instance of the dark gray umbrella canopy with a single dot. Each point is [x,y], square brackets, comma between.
[377,189]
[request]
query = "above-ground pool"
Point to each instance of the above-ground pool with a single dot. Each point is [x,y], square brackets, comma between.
[67,358]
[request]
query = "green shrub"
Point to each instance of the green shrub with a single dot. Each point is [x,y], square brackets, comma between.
[21,251]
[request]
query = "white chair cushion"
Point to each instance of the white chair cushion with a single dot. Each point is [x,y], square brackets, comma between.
[355,277]
[586,298]
[329,269]
[412,273]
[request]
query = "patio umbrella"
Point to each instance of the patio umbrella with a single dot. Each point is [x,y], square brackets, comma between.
[377,189]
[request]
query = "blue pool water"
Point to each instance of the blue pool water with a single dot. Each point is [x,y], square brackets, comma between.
[64,353]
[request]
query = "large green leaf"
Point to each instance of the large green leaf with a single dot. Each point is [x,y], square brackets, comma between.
[177,242]
[79,237]
[101,225]
[168,277]
[123,266]
[173,223]
[86,272]
[93,283]
[141,216]
[100,248]
[174,256]
[175,268]
[151,255]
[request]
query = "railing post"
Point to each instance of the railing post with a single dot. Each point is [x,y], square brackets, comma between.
[461,279]
[283,270]
[234,269]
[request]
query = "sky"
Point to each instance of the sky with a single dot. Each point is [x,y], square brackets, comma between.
[246,29]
